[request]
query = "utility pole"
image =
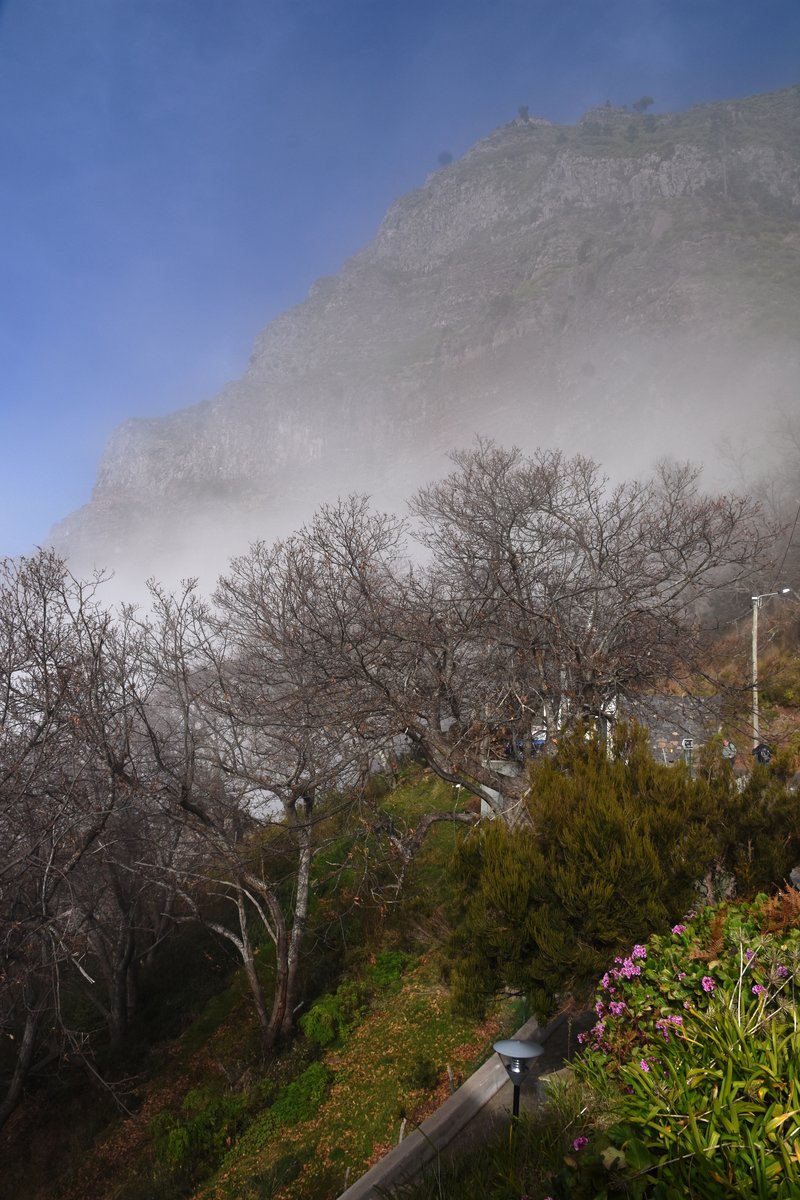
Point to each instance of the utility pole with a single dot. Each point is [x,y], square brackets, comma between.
[756,605]
[756,602]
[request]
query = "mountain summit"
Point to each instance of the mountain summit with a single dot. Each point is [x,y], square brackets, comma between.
[627,287]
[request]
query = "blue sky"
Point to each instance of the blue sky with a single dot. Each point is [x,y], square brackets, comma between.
[174,173]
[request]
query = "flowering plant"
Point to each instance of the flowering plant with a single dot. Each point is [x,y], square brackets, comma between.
[696,1051]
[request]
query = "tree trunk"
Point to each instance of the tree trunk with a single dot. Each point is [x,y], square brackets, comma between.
[249,963]
[300,920]
[280,999]
[118,1001]
[24,1059]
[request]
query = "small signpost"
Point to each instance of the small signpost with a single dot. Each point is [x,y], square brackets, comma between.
[688,746]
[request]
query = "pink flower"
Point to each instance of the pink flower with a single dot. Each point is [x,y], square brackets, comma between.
[645,1065]
[708,983]
[758,989]
[782,971]
[678,929]
[639,952]
[617,1007]
[579,1143]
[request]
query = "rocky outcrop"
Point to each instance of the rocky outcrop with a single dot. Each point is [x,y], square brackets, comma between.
[626,287]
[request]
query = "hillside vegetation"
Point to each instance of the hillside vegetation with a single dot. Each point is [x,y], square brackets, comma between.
[382,1039]
[689,1083]
[242,822]
[200,1109]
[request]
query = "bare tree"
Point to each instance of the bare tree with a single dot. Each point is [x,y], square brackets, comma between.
[593,590]
[52,811]
[247,749]
[547,593]
[80,822]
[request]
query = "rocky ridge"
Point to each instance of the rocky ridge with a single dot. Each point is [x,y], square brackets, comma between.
[626,287]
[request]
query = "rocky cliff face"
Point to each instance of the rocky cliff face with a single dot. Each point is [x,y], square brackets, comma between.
[627,287]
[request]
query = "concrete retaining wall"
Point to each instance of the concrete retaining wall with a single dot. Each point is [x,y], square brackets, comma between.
[440,1129]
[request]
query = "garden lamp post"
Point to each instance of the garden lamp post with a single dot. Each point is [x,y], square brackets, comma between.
[757,601]
[517,1057]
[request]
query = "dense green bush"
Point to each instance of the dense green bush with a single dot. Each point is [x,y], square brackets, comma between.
[389,967]
[617,849]
[334,1014]
[613,853]
[193,1141]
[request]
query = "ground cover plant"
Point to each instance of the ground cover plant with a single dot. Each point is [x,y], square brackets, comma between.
[390,1068]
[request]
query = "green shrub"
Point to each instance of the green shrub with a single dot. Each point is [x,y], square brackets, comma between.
[617,849]
[334,1014]
[297,1102]
[332,1017]
[389,967]
[282,1173]
[195,1140]
[422,1073]
[614,852]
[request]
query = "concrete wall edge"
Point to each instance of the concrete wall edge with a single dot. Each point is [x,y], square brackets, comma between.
[435,1133]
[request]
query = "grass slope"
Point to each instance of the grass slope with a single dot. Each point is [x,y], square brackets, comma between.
[392,1066]
[207,1117]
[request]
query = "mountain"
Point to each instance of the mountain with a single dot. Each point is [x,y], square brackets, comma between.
[627,287]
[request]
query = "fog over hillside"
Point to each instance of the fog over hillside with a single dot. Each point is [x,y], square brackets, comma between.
[627,288]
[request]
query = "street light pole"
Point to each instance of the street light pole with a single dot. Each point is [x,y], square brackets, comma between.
[756,605]
[756,738]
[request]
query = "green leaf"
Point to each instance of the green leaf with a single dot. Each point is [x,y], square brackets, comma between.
[638,1155]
